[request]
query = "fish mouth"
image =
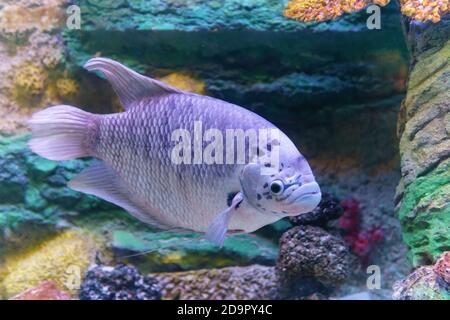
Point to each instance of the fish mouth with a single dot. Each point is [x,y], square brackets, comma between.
[303,199]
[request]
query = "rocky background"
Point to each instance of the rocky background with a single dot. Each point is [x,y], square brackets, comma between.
[335,87]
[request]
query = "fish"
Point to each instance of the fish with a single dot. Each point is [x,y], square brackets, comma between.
[135,168]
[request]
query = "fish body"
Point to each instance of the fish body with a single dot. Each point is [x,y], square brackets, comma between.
[136,169]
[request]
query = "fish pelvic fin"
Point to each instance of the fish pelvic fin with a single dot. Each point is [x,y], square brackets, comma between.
[130,86]
[61,132]
[217,230]
[102,181]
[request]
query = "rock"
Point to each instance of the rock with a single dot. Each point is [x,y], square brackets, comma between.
[121,282]
[422,284]
[423,195]
[33,190]
[32,59]
[232,283]
[328,209]
[308,252]
[62,259]
[442,267]
[40,168]
[45,291]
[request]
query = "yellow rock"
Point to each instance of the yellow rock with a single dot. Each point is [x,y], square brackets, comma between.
[62,259]
[17,18]
[184,82]
[29,80]
[67,87]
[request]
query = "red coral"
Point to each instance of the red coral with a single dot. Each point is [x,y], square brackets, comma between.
[361,242]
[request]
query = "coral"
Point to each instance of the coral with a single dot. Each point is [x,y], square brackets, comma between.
[311,252]
[62,259]
[349,222]
[425,10]
[29,80]
[425,283]
[121,282]
[233,283]
[328,209]
[67,88]
[442,267]
[184,82]
[361,241]
[313,10]
[45,291]
[44,17]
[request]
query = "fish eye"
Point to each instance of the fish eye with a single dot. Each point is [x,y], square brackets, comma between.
[277,187]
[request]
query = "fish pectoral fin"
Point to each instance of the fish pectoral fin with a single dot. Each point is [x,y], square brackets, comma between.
[101,181]
[217,230]
[129,85]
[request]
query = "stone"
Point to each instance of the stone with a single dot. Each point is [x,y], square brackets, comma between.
[422,284]
[309,252]
[423,195]
[442,267]
[121,282]
[231,283]
[45,291]
[40,168]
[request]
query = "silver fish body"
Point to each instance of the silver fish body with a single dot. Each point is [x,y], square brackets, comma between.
[137,145]
[136,170]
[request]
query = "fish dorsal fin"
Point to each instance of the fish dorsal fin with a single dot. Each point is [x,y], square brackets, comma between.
[129,85]
[101,181]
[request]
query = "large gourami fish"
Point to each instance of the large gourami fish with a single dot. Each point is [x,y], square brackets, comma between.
[135,168]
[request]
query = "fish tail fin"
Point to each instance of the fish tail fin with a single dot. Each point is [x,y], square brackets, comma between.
[61,132]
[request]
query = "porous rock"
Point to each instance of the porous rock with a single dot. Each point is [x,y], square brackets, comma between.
[310,252]
[122,282]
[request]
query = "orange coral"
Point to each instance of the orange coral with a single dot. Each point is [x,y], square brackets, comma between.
[321,10]
[424,10]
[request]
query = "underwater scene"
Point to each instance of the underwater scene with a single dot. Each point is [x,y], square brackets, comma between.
[224,150]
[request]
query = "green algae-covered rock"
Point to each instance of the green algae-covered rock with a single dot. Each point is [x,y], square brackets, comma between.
[425,214]
[424,191]
[27,188]
[192,15]
[422,284]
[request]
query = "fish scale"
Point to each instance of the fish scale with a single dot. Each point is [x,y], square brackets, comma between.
[147,124]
